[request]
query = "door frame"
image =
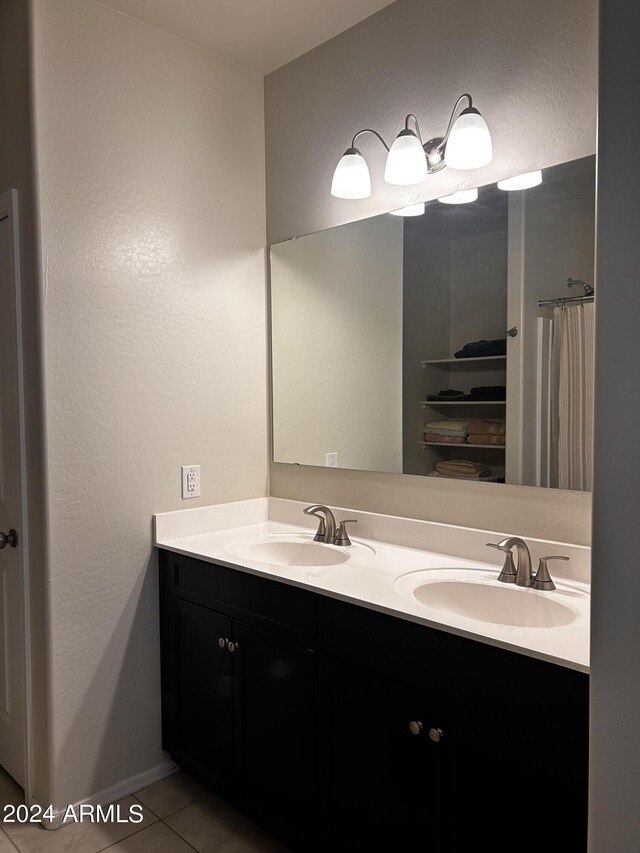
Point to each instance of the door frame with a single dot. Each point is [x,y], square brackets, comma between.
[9,209]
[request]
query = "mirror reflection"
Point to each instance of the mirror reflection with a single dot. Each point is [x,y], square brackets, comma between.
[453,339]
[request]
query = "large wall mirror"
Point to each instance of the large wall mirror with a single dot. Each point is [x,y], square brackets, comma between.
[457,343]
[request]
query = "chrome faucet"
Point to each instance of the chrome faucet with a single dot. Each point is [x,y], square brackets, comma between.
[522,576]
[326,531]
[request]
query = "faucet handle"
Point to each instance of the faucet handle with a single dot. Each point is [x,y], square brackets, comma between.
[542,579]
[508,573]
[342,537]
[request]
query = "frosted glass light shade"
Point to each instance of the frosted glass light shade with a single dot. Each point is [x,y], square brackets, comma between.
[521,182]
[409,210]
[469,144]
[461,197]
[406,161]
[351,178]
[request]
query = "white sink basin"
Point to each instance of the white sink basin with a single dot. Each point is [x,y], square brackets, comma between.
[296,550]
[476,595]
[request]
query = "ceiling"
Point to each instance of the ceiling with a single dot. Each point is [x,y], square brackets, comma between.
[259,34]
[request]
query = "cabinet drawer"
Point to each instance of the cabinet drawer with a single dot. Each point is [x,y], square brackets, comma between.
[548,700]
[273,605]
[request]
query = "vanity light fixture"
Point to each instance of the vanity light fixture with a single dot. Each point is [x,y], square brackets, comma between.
[461,197]
[351,178]
[521,182]
[409,210]
[465,145]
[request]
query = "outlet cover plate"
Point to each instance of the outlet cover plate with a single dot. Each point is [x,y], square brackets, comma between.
[190,481]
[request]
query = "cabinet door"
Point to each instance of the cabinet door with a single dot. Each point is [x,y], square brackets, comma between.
[277,702]
[199,675]
[389,786]
[513,791]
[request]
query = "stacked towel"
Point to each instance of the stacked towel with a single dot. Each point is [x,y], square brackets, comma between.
[486,432]
[486,427]
[462,468]
[444,439]
[448,394]
[492,478]
[487,392]
[449,427]
[479,349]
[446,432]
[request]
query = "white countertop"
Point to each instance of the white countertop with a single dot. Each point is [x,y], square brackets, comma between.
[377,572]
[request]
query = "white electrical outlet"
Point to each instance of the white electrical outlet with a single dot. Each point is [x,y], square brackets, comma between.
[332,459]
[190,481]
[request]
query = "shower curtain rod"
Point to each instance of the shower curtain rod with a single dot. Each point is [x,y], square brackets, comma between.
[565,300]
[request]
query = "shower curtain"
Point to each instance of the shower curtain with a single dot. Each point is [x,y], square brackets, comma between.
[571,376]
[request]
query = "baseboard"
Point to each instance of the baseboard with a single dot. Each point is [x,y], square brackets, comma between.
[116,792]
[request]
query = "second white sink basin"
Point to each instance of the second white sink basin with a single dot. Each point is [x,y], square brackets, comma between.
[296,550]
[476,595]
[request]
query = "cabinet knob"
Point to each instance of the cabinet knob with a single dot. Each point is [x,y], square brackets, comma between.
[10,538]
[436,734]
[415,727]
[233,647]
[222,642]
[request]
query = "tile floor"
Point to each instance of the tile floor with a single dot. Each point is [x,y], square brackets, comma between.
[180,816]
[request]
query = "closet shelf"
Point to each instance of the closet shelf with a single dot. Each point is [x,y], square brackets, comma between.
[479,362]
[435,404]
[459,446]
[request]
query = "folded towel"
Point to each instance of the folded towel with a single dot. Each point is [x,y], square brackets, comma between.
[478,349]
[486,439]
[495,427]
[457,433]
[463,468]
[462,475]
[449,394]
[450,425]
[490,478]
[487,392]
[444,439]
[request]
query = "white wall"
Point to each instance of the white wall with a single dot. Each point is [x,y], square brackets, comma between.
[532,69]
[337,346]
[150,155]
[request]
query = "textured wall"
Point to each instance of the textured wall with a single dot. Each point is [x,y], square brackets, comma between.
[532,69]
[151,157]
[337,346]
[16,171]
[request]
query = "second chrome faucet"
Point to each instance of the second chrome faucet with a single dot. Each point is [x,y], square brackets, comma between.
[327,531]
[523,574]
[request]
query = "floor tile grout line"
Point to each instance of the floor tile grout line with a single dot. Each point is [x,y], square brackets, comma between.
[145,806]
[10,840]
[175,832]
[135,832]
[182,808]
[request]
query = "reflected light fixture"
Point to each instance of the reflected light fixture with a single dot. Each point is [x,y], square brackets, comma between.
[521,182]
[461,197]
[409,210]
[465,145]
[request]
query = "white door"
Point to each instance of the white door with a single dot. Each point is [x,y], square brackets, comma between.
[12,669]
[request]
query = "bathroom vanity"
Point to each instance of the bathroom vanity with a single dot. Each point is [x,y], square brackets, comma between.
[342,724]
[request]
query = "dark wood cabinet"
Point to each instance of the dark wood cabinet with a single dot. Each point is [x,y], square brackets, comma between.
[277,735]
[341,728]
[200,692]
[387,776]
[240,700]
[513,791]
